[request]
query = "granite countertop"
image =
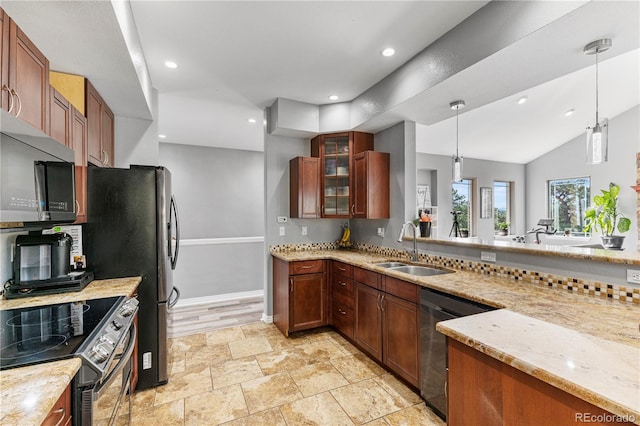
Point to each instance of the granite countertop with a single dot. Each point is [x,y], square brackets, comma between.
[587,325]
[571,363]
[29,393]
[570,252]
[97,289]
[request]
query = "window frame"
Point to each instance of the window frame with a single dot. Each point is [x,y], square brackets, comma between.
[586,201]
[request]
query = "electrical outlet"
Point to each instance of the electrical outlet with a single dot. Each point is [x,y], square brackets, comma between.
[381,232]
[282,219]
[304,230]
[487,256]
[282,231]
[633,276]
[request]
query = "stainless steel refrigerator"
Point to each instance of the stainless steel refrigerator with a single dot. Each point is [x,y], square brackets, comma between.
[132,230]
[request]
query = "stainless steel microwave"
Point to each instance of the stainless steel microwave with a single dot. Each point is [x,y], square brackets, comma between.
[37,182]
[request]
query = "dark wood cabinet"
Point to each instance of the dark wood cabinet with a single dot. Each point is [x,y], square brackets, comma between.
[371,185]
[493,393]
[342,298]
[59,117]
[25,77]
[60,414]
[299,295]
[336,165]
[4,61]
[304,188]
[387,323]
[78,142]
[100,123]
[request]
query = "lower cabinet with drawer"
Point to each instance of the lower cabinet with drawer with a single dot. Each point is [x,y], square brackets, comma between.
[60,414]
[299,295]
[342,298]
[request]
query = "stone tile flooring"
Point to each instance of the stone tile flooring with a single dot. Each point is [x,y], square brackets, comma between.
[253,375]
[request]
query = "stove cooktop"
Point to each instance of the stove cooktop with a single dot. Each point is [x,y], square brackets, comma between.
[50,333]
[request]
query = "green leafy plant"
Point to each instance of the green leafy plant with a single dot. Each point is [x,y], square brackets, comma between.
[604,216]
[503,226]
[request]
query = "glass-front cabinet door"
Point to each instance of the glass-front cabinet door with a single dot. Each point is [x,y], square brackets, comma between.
[336,161]
[336,176]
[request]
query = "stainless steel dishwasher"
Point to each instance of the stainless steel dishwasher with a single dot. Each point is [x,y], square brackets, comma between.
[436,306]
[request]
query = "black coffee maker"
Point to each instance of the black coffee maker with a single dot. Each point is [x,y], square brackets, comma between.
[42,265]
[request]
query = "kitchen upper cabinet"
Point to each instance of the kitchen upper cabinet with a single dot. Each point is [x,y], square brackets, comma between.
[304,188]
[299,295]
[59,118]
[25,77]
[336,153]
[4,60]
[78,142]
[371,185]
[100,122]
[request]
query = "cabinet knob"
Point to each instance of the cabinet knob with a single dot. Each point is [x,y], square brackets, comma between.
[343,284]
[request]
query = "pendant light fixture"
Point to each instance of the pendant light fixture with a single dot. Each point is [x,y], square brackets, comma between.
[598,135]
[457,159]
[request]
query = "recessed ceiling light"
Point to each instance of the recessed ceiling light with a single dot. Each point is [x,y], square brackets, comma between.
[333,97]
[522,100]
[170,64]
[252,120]
[162,136]
[389,51]
[570,112]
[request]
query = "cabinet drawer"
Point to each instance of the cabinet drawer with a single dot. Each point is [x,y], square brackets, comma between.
[370,278]
[306,267]
[402,289]
[342,268]
[342,290]
[60,413]
[342,318]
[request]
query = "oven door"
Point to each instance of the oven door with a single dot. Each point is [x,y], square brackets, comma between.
[111,398]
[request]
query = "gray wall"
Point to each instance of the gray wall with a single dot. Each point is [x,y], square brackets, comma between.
[220,201]
[569,160]
[278,150]
[399,142]
[485,173]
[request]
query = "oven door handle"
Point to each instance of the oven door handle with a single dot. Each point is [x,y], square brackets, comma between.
[123,360]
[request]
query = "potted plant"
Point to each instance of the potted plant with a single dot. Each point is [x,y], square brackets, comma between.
[464,232]
[604,216]
[503,228]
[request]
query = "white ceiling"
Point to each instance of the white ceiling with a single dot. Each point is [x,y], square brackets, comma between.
[235,58]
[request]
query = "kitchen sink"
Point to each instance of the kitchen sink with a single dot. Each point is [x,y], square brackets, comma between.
[422,271]
[390,264]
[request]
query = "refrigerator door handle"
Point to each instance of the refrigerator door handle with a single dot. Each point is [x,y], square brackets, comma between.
[173,302]
[173,252]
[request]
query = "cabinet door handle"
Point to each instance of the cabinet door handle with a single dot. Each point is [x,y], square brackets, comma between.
[62,413]
[343,284]
[306,267]
[382,302]
[106,162]
[4,87]
[13,92]
[77,206]
[353,209]
[378,301]
[341,312]
[341,269]
[291,285]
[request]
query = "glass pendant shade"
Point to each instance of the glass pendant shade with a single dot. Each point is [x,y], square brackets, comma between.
[456,167]
[598,142]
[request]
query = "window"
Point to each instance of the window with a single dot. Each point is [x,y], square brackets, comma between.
[501,204]
[461,193]
[567,200]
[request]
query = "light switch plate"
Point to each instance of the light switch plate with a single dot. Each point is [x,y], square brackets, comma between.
[488,256]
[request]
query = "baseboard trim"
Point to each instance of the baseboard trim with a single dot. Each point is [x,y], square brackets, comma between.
[266,318]
[194,301]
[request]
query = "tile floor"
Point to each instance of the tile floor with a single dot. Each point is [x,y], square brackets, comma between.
[253,375]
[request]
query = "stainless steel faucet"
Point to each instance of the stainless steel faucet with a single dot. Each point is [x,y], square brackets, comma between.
[414,253]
